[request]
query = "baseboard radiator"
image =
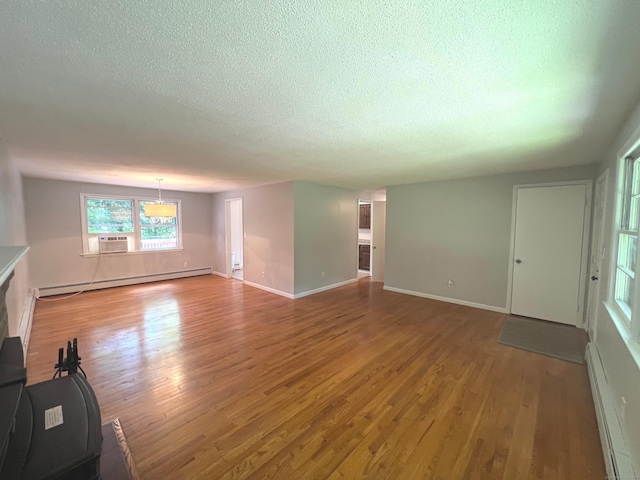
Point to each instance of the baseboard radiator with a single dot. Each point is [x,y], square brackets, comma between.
[26,319]
[616,454]
[120,282]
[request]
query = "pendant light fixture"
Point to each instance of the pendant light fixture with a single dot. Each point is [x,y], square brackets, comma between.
[158,208]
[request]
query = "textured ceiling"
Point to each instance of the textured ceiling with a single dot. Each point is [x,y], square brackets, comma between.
[217,95]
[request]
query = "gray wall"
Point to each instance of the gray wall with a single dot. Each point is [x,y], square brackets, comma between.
[622,369]
[459,230]
[12,233]
[268,226]
[54,231]
[326,235]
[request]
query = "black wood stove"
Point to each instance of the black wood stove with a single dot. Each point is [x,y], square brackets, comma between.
[50,430]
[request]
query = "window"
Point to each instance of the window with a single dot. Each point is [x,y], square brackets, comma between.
[160,233]
[626,293]
[122,224]
[627,237]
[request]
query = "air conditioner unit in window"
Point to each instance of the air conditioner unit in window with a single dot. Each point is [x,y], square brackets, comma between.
[114,244]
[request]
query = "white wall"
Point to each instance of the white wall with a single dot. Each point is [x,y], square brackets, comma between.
[12,233]
[364,234]
[53,223]
[268,225]
[621,368]
[326,235]
[459,230]
[373,195]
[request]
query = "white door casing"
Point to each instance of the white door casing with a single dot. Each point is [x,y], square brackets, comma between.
[549,242]
[379,220]
[597,254]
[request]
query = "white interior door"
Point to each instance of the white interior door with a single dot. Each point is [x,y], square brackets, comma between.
[379,220]
[595,260]
[548,252]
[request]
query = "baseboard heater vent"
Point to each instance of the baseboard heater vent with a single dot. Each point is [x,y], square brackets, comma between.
[24,328]
[614,448]
[120,282]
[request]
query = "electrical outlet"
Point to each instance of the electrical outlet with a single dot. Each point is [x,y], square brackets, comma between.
[450,283]
[262,274]
[186,263]
[623,408]
[322,274]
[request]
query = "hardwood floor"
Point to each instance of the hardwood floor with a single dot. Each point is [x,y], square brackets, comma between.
[214,379]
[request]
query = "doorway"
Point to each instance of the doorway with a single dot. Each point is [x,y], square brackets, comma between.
[550,240]
[371,239]
[234,238]
[365,237]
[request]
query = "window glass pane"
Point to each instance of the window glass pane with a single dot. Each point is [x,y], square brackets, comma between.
[633,214]
[624,291]
[627,251]
[159,237]
[635,182]
[109,216]
[629,187]
[158,233]
[144,220]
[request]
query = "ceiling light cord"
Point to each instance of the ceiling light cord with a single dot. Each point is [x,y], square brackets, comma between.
[159,191]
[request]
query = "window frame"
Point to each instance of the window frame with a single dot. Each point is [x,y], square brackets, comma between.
[622,227]
[134,237]
[140,226]
[628,322]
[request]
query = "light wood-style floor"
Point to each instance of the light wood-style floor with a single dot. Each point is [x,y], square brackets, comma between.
[213,379]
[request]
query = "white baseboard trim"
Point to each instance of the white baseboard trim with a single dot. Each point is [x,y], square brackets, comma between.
[448,300]
[614,447]
[324,289]
[24,328]
[120,282]
[268,289]
[220,274]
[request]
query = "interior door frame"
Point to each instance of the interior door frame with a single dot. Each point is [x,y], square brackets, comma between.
[227,233]
[378,240]
[586,229]
[603,180]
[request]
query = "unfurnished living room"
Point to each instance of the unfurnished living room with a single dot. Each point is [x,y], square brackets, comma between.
[319,240]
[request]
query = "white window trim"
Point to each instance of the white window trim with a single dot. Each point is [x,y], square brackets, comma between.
[629,327]
[136,234]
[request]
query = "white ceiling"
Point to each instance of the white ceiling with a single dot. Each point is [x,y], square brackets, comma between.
[217,95]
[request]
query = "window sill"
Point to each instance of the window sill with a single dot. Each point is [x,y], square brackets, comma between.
[136,252]
[623,329]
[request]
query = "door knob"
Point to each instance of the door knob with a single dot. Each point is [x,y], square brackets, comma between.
[518,261]
[594,278]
